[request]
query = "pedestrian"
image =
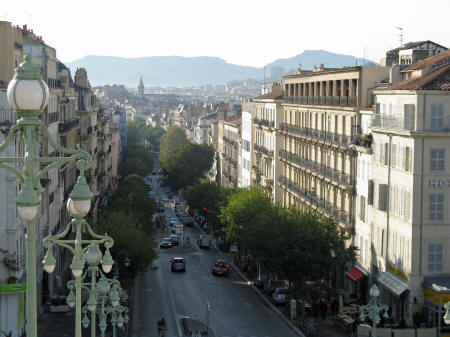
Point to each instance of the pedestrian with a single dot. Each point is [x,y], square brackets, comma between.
[323,308]
[334,308]
[196,333]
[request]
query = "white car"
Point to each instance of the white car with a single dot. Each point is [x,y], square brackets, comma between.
[280,296]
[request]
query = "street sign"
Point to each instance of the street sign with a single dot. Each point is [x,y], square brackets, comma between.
[10,288]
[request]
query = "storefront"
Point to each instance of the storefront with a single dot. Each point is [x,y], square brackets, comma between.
[356,283]
[436,291]
[394,293]
[12,308]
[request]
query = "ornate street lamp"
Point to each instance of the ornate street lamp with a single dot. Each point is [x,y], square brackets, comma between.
[373,308]
[95,289]
[82,249]
[28,94]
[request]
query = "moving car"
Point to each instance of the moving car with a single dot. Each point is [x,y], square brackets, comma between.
[220,268]
[280,296]
[188,221]
[178,264]
[173,221]
[165,243]
[260,281]
[175,239]
[204,241]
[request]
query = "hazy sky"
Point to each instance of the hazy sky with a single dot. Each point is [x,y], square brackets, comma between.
[243,32]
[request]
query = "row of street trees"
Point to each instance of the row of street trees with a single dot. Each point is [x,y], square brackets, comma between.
[128,218]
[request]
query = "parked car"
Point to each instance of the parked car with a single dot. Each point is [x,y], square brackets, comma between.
[220,268]
[271,285]
[165,243]
[173,221]
[175,239]
[260,281]
[280,295]
[178,264]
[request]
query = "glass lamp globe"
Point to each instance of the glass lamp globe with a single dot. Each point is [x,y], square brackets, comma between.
[93,255]
[447,317]
[85,321]
[71,299]
[49,261]
[102,324]
[374,291]
[27,91]
[78,207]
[27,213]
[120,321]
[103,286]
[77,272]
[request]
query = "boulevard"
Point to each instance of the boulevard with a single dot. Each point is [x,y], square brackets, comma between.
[235,309]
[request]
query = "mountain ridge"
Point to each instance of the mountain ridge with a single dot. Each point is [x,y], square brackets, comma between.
[182,71]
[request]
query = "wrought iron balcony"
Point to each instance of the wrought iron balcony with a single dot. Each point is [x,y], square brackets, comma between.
[8,117]
[393,122]
[343,101]
[67,126]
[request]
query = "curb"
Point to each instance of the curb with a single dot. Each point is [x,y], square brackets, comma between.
[257,291]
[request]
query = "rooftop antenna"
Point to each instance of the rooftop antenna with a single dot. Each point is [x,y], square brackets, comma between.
[401,35]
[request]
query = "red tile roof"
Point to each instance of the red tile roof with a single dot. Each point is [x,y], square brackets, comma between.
[271,95]
[235,121]
[428,61]
[437,80]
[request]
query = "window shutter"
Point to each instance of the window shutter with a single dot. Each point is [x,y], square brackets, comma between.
[394,155]
[406,201]
[404,158]
[386,154]
[382,197]
[370,192]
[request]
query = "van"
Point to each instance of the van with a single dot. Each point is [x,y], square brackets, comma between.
[204,241]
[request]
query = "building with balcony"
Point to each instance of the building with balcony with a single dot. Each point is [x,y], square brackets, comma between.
[248,110]
[266,145]
[230,151]
[320,117]
[410,221]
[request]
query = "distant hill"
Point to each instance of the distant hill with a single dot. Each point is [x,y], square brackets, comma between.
[177,71]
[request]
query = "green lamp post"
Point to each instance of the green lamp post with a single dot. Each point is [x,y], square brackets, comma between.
[95,289]
[81,249]
[28,94]
[373,308]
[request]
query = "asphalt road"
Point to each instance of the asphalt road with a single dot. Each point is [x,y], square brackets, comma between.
[235,309]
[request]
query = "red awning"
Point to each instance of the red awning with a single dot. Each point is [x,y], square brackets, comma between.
[355,274]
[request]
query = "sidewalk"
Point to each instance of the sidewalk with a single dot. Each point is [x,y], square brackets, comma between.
[56,324]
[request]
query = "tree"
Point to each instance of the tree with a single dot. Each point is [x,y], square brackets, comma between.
[136,159]
[140,244]
[153,137]
[172,140]
[188,164]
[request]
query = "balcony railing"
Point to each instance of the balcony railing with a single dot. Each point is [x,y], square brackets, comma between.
[52,117]
[344,101]
[68,125]
[320,203]
[8,117]
[230,141]
[393,122]
[317,168]
[326,136]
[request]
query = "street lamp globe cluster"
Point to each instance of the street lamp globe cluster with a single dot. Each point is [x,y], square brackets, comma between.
[373,308]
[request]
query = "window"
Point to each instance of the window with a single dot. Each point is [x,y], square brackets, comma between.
[382,197]
[435,255]
[437,159]
[436,207]
[394,155]
[246,145]
[437,117]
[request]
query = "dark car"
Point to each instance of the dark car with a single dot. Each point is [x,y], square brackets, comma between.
[175,239]
[260,281]
[269,287]
[178,264]
[165,243]
[220,268]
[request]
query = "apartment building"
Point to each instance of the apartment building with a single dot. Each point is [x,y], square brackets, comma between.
[410,223]
[266,145]
[248,110]
[11,50]
[230,151]
[319,119]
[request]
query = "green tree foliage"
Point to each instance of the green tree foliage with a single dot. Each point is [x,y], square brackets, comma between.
[136,159]
[135,131]
[128,222]
[299,246]
[172,140]
[207,194]
[153,137]
[188,164]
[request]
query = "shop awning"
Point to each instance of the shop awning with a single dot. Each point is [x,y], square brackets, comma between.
[394,285]
[436,289]
[355,274]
